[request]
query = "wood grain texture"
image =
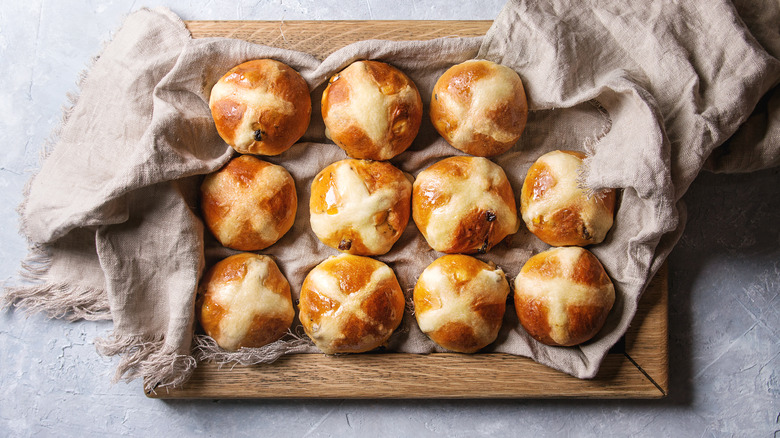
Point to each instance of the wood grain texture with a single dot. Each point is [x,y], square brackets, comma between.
[647,343]
[321,38]
[639,372]
[408,376]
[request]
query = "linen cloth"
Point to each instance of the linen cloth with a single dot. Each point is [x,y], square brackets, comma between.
[648,91]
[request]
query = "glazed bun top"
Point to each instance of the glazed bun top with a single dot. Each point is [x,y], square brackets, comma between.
[359,206]
[261,107]
[479,107]
[563,296]
[557,210]
[249,204]
[459,302]
[350,304]
[464,205]
[372,110]
[244,301]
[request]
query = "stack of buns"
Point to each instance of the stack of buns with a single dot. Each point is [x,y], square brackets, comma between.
[360,206]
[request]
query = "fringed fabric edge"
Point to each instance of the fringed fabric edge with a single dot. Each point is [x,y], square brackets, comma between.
[56,299]
[149,358]
[143,356]
[60,301]
[207,350]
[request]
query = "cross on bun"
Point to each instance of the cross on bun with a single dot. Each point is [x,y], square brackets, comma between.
[261,107]
[372,110]
[249,204]
[459,302]
[360,207]
[563,296]
[557,210]
[479,107]
[464,205]
[350,304]
[244,301]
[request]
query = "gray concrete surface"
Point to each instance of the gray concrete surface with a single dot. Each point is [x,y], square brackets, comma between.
[724,305]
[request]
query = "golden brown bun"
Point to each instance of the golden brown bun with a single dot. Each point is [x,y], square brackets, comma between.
[261,107]
[350,304]
[464,205]
[371,110]
[556,210]
[563,296]
[244,301]
[360,207]
[479,107]
[459,302]
[249,204]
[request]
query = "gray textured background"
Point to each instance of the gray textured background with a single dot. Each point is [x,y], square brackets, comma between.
[724,282]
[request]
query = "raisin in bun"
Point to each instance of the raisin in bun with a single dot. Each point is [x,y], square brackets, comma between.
[244,301]
[261,107]
[359,206]
[563,296]
[557,210]
[249,204]
[464,205]
[350,304]
[479,107]
[372,110]
[459,302]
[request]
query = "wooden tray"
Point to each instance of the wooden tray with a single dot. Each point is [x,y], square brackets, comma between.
[635,368]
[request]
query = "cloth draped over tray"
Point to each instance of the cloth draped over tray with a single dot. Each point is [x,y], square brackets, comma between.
[647,90]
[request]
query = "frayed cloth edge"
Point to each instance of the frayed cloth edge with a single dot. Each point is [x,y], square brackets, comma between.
[207,350]
[58,300]
[147,357]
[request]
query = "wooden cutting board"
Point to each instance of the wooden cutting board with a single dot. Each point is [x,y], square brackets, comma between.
[635,368]
[321,38]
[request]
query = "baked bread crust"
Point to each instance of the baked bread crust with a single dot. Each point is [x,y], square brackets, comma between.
[360,207]
[557,210]
[464,205]
[261,107]
[350,304]
[459,302]
[244,301]
[371,110]
[249,204]
[479,107]
[563,296]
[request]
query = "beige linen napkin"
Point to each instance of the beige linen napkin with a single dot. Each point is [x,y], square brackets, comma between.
[675,79]
[756,144]
[113,212]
